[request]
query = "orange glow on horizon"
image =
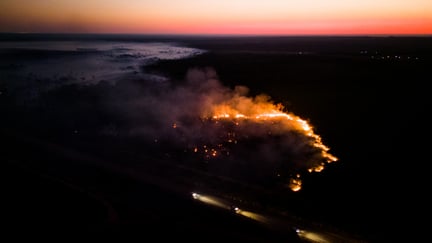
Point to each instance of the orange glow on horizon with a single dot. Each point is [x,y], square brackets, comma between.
[218,17]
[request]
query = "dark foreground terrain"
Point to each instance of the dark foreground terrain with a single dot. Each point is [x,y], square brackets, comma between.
[81,199]
[366,96]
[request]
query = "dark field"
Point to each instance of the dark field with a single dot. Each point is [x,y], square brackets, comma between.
[69,165]
[366,96]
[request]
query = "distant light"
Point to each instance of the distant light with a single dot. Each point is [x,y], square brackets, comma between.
[195,195]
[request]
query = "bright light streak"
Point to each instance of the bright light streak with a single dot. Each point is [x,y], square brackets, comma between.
[254,216]
[311,236]
[222,204]
[210,200]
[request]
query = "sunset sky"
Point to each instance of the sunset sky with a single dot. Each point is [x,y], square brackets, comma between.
[269,17]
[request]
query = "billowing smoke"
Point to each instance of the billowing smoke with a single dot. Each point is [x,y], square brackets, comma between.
[203,122]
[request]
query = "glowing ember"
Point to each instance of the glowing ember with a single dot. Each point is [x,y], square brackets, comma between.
[295,183]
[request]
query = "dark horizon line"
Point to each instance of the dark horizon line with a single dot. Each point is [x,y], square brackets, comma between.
[215,35]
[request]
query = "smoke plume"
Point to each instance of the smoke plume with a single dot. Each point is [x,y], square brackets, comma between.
[230,132]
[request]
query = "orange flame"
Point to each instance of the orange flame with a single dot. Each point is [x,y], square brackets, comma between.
[261,109]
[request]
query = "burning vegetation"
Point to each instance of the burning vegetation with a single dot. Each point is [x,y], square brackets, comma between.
[247,136]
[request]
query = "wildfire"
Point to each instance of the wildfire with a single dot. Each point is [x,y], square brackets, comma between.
[265,113]
[236,124]
[250,138]
[274,112]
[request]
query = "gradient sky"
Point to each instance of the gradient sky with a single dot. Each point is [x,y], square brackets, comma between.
[291,17]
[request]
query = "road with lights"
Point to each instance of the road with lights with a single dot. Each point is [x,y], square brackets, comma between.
[304,232]
[178,180]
